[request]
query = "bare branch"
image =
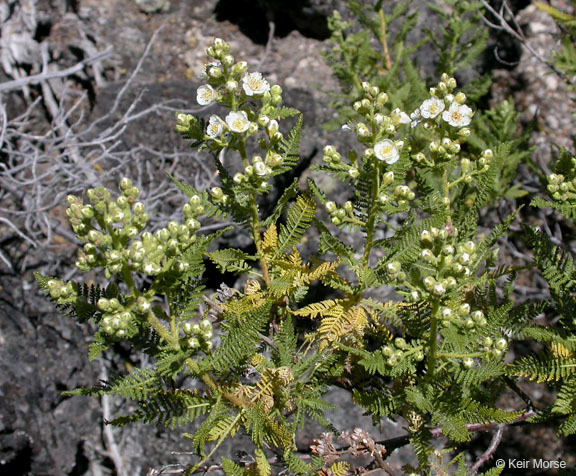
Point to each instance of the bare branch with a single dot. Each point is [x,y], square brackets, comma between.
[64,73]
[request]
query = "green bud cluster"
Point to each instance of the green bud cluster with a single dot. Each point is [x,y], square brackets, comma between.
[119,319]
[61,291]
[259,171]
[399,350]
[451,260]
[375,121]
[106,225]
[462,316]
[198,336]
[561,188]
[109,228]
[496,348]
[343,215]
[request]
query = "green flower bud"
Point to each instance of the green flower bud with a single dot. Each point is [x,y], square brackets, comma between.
[227,60]
[501,344]
[393,267]
[142,305]
[382,99]
[387,351]
[426,237]
[400,342]
[216,193]
[468,363]
[205,325]
[439,289]
[276,90]
[460,97]
[193,343]
[428,282]
[125,183]
[477,315]
[192,225]
[388,178]
[138,208]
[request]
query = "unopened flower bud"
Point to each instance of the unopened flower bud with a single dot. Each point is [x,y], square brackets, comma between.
[501,344]
[216,192]
[393,267]
[460,98]
[439,289]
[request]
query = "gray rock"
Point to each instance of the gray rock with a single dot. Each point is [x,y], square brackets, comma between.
[153,6]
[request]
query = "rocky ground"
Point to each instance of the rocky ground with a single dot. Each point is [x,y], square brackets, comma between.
[157,51]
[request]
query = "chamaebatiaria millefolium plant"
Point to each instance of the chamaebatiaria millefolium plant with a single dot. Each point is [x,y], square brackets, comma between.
[263,356]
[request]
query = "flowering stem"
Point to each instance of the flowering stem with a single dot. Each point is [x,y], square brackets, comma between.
[459,355]
[161,330]
[446,195]
[255,219]
[370,225]
[384,40]
[257,238]
[349,64]
[432,343]
[127,275]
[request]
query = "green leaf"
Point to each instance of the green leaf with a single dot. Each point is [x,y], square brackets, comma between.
[231,260]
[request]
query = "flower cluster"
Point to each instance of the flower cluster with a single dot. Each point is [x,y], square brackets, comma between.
[446,116]
[109,228]
[253,109]
[198,335]
[377,129]
[119,319]
[561,188]
[400,351]
[444,105]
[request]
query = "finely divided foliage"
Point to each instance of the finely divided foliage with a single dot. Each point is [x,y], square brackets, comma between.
[263,355]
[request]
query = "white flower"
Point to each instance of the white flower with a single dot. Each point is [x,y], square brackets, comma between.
[431,108]
[237,121]
[260,168]
[387,151]
[215,126]
[458,115]
[205,95]
[254,84]
[399,117]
